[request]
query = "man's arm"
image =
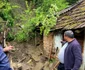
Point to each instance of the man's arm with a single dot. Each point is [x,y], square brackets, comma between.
[78,57]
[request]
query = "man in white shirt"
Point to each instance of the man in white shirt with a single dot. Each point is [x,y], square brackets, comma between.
[61,56]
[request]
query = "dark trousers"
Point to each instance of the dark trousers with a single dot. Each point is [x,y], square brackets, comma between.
[61,67]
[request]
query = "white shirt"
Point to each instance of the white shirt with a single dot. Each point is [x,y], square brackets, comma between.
[61,53]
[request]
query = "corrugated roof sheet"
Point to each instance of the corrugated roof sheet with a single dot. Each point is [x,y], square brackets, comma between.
[72,18]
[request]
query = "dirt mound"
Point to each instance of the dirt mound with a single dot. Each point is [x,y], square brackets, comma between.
[29,56]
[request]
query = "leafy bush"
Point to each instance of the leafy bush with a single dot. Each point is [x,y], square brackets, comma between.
[41,14]
[71,1]
[5,12]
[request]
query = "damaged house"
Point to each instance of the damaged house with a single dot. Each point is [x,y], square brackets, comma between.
[72,18]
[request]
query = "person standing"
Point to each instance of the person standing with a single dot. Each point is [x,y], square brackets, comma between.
[73,53]
[61,56]
[4,60]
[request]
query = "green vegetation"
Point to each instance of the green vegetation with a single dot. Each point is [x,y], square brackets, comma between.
[40,14]
[5,12]
[71,1]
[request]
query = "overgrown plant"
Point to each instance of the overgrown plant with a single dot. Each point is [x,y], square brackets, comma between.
[70,2]
[7,15]
[41,14]
[37,18]
[5,11]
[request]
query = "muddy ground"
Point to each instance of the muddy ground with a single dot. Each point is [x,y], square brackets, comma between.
[27,56]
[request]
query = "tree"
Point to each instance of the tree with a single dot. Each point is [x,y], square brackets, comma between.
[41,14]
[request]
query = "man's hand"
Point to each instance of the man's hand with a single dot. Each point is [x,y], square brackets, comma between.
[8,48]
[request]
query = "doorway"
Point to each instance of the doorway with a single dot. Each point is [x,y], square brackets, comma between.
[80,37]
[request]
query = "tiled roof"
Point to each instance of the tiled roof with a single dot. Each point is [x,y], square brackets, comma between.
[73,17]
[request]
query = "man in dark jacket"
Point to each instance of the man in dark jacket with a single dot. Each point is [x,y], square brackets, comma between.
[73,54]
